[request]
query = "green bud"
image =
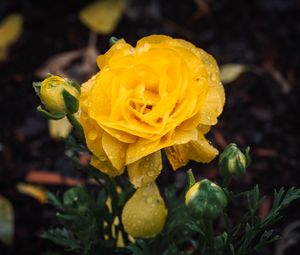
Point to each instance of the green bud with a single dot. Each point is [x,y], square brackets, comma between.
[233,162]
[113,40]
[205,200]
[58,95]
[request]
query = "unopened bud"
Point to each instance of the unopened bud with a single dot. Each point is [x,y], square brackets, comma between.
[233,162]
[205,200]
[58,95]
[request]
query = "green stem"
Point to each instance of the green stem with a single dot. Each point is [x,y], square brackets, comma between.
[75,123]
[209,232]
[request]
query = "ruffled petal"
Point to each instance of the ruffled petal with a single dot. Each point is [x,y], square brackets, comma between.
[177,156]
[114,150]
[145,170]
[199,150]
[105,166]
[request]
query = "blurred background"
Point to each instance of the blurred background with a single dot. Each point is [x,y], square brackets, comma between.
[255,42]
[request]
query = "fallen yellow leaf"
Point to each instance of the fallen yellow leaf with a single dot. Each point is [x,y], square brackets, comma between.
[10,31]
[102,16]
[230,72]
[59,128]
[33,191]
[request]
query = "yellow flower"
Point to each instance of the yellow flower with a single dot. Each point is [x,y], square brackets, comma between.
[164,93]
[51,93]
[145,213]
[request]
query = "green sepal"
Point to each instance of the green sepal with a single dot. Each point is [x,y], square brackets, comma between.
[74,84]
[191,178]
[113,40]
[37,87]
[71,102]
[48,115]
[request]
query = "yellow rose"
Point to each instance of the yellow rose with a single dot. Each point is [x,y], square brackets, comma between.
[51,93]
[164,93]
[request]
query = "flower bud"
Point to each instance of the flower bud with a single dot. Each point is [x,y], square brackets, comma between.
[233,162]
[145,213]
[59,95]
[205,200]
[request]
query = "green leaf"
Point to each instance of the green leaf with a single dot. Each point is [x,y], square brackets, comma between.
[71,102]
[37,87]
[49,115]
[62,237]
[54,200]
[77,200]
[6,221]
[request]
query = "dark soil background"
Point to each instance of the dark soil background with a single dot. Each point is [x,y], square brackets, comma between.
[261,111]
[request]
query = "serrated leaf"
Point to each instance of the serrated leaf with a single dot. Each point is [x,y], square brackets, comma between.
[62,237]
[102,16]
[6,221]
[59,128]
[54,200]
[230,72]
[77,200]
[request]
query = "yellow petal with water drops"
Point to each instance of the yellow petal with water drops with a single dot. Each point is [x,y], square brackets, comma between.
[212,105]
[204,129]
[10,29]
[105,166]
[115,150]
[177,156]
[145,213]
[102,16]
[34,191]
[145,170]
[59,128]
[201,150]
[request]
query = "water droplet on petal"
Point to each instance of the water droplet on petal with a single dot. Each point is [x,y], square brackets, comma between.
[151,173]
[149,200]
[92,135]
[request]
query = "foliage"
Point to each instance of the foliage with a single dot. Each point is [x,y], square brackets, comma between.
[89,224]
[6,221]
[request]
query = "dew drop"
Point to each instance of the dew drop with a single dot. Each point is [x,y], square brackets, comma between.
[149,200]
[151,173]
[92,135]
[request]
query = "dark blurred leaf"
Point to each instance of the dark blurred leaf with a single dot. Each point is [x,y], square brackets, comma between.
[6,221]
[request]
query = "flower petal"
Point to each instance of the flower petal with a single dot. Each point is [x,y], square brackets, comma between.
[115,150]
[198,150]
[201,150]
[105,166]
[177,156]
[145,170]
